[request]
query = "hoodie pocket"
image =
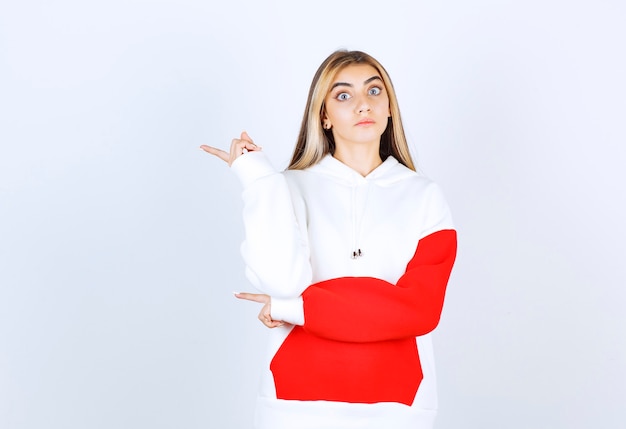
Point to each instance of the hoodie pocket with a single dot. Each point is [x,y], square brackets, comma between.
[310,368]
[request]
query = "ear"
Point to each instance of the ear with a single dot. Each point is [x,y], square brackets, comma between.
[326,122]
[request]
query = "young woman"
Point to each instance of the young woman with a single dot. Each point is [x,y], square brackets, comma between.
[352,250]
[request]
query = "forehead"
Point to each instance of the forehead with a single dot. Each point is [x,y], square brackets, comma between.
[356,73]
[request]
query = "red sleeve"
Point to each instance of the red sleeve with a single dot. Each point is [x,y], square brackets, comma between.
[366,309]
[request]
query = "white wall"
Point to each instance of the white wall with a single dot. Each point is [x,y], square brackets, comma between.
[119,238]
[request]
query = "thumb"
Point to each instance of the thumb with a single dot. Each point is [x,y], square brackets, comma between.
[246,137]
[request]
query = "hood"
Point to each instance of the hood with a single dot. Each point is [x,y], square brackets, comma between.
[387,173]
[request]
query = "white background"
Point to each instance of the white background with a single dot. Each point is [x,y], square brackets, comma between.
[119,238]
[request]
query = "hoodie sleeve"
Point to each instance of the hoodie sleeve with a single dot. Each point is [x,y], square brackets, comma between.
[275,249]
[366,309]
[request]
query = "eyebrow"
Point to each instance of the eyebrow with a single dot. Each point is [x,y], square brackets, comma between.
[371,79]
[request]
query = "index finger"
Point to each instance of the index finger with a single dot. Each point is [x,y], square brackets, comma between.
[256,297]
[224,156]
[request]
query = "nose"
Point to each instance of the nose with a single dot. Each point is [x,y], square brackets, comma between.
[363,105]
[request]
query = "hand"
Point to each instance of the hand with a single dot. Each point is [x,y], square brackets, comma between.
[238,147]
[265,315]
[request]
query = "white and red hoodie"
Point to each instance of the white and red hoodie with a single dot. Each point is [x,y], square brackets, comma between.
[358,267]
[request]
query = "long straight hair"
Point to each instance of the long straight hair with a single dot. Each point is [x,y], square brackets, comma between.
[314,142]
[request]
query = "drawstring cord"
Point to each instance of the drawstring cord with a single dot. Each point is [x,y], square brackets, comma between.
[356,229]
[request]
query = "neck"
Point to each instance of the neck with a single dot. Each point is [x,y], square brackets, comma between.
[363,160]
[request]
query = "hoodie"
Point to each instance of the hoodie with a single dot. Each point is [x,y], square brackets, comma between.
[358,268]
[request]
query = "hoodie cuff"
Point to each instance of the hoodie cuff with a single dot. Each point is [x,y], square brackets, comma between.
[252,166]
[289,310]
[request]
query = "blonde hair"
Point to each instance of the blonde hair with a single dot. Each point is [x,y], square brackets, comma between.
[314,142]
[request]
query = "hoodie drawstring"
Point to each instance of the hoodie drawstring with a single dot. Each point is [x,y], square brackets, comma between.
[356,226]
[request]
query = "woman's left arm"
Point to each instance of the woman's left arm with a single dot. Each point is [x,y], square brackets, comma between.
[365,309]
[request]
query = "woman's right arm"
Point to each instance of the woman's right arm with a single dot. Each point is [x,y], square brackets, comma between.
[275,248]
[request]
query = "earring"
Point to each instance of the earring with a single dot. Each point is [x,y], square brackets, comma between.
[326,126]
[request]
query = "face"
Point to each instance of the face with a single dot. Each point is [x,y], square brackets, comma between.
[357,106]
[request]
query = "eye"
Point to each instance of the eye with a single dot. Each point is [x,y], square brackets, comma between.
[375,90]
[343,96]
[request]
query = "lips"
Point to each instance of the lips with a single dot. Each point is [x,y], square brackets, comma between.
[366,122]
